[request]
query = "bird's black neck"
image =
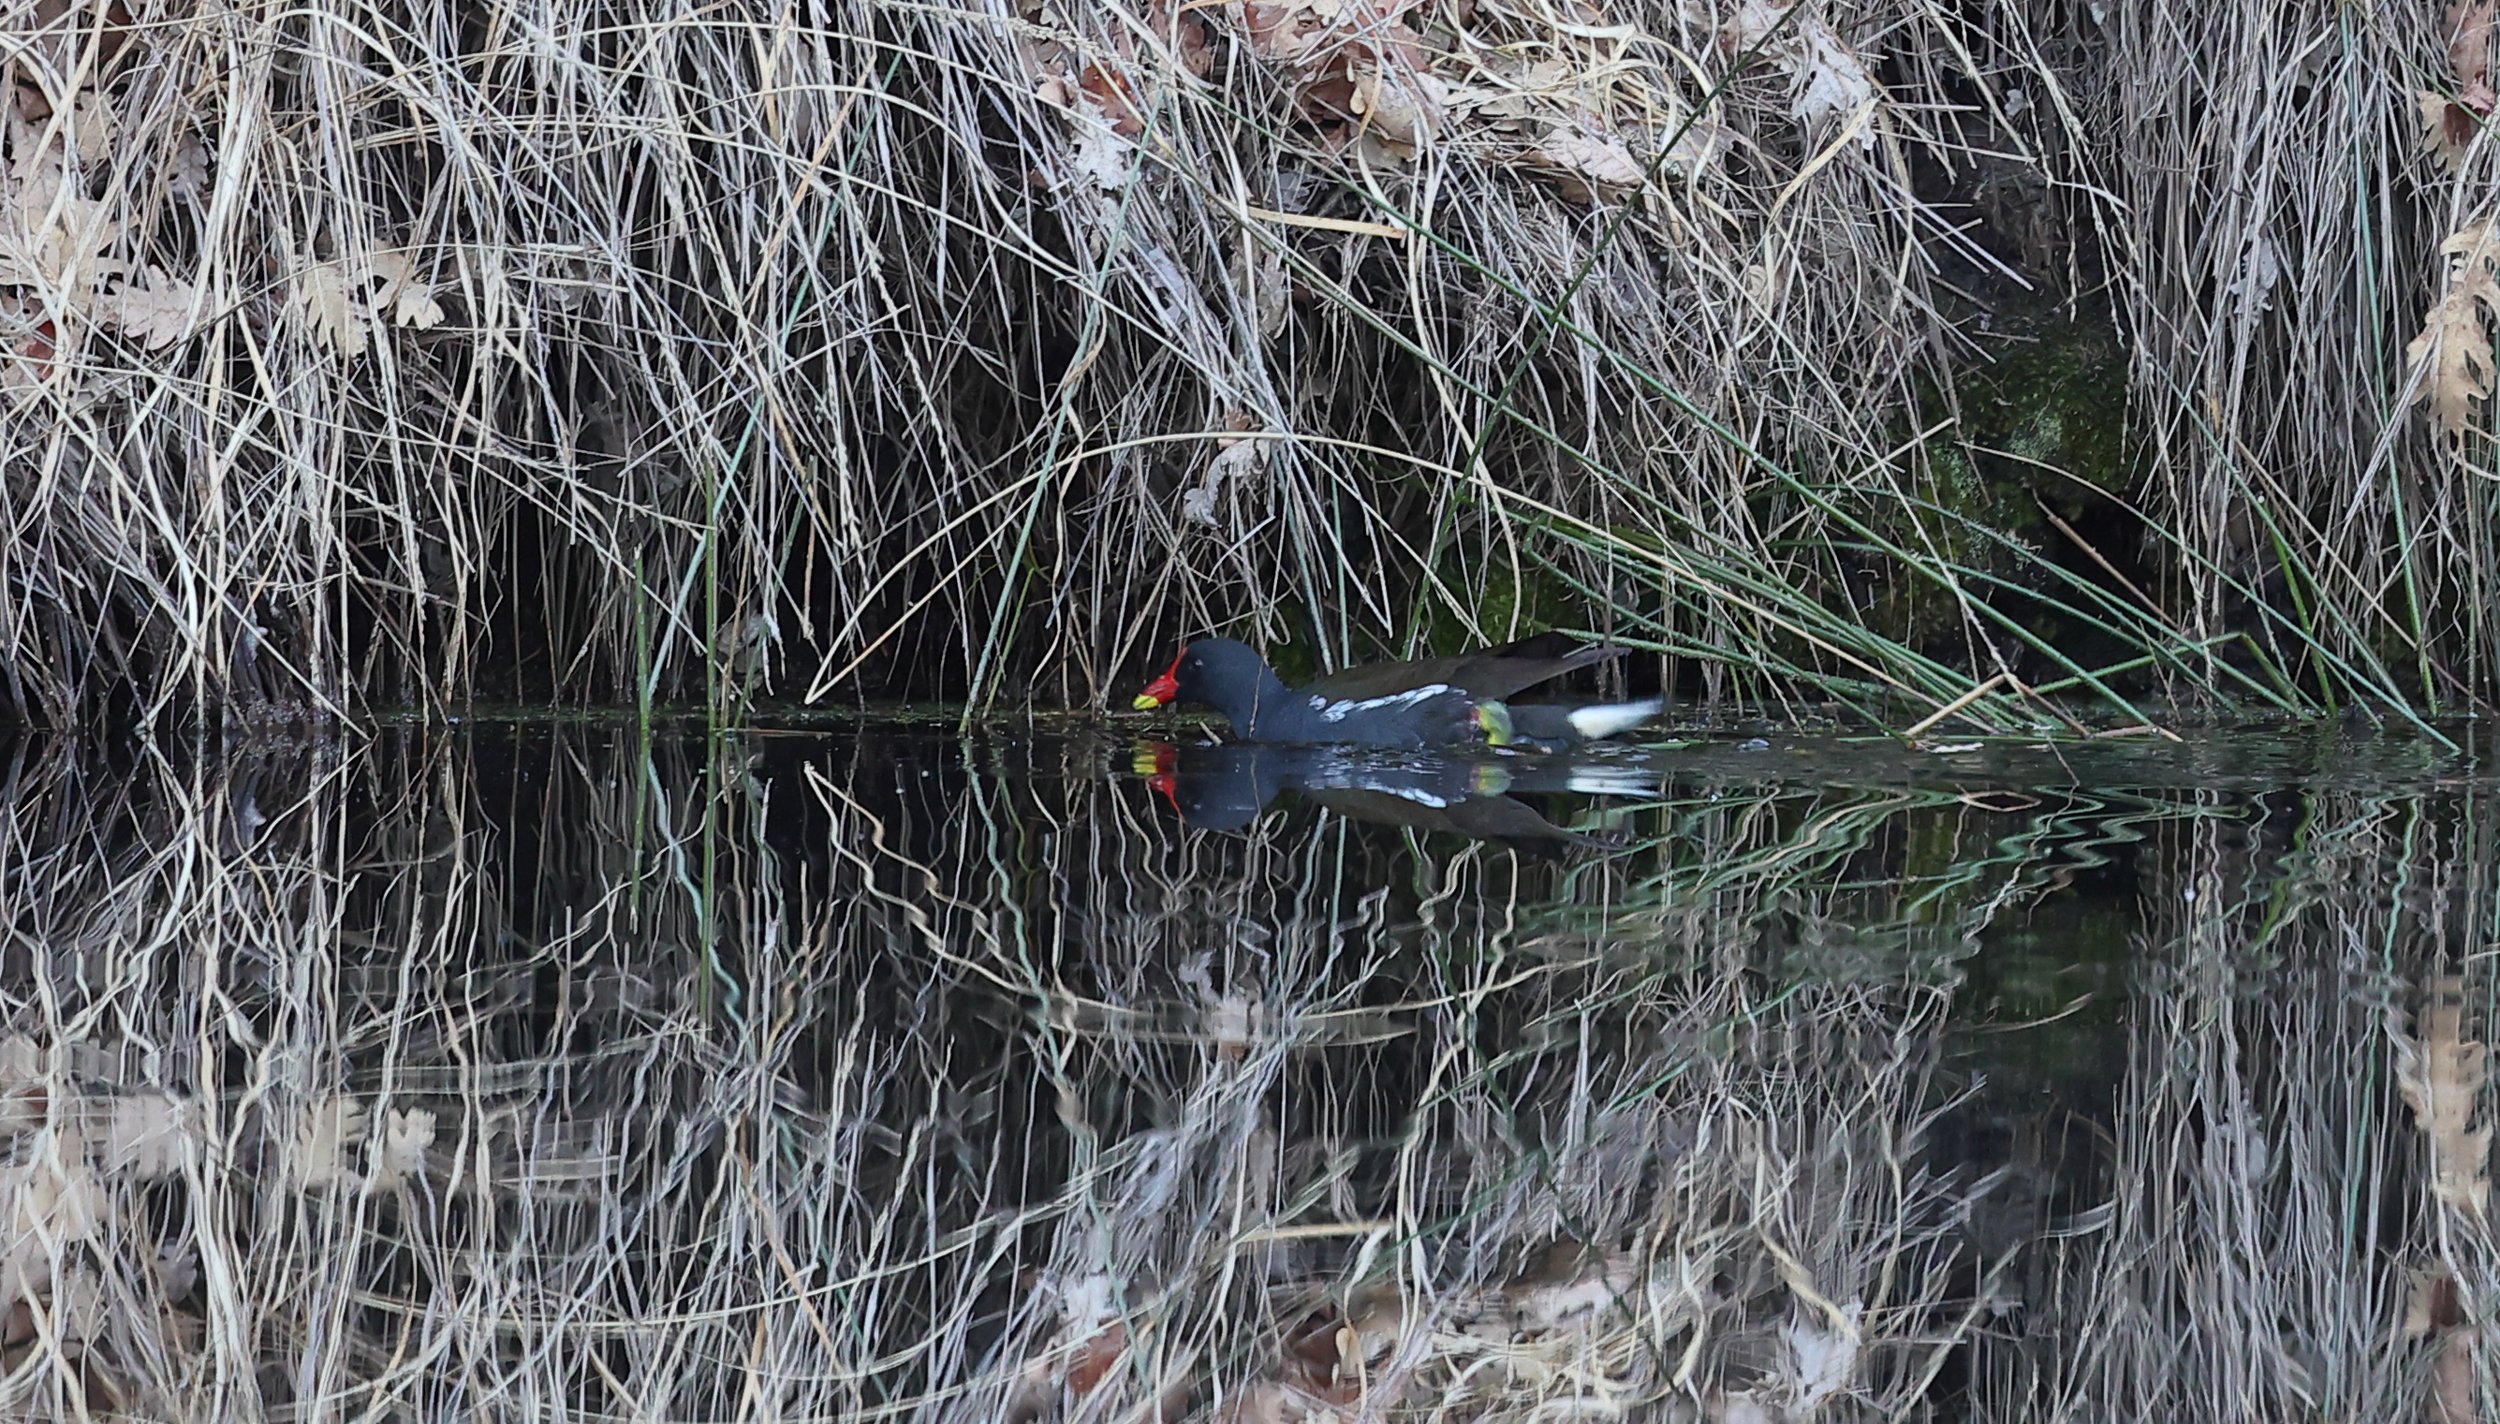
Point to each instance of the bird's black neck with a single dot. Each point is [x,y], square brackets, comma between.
[1266,704]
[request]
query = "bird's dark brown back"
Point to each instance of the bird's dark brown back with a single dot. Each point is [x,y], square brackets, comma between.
[1490,674]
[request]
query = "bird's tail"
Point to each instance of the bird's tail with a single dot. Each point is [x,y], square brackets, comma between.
[1607,718]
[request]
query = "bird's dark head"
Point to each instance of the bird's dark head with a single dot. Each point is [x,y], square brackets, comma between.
[1212,672]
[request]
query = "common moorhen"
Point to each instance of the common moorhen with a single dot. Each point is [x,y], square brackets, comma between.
[1427,702]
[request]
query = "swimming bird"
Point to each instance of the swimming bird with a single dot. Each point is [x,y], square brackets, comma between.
[1425,702]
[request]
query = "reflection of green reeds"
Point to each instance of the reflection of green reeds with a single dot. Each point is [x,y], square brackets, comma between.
[1879,884]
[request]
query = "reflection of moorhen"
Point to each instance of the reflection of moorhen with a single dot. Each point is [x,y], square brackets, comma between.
[1225,787]
[1429,702]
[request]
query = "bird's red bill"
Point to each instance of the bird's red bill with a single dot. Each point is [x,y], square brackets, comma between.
[1163,689]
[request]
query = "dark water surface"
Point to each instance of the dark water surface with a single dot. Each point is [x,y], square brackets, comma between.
[553,1071]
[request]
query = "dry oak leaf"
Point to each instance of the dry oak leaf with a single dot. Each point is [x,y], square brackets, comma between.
[411,301]
[343,309]
[148,1135]
[399,1144]
[336,319]
[2469,25]
[2441,1074]
[25,1087]
[52,237]
[2452,355]
[1360,72]
[151,308]
[1116,96]
[29,342]
[1829,84]
[93,126]
[1396,109]
[2450,123]
[1099,155]
[324,1132]
[186,172]
[1109,81]
[1286,33]
[2448,127]
[1604,164]
[45,1204]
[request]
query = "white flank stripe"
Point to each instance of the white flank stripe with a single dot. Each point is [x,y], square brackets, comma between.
[1337,711]
[1613,717]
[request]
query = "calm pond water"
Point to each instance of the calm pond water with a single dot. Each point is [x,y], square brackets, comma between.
[877,1073]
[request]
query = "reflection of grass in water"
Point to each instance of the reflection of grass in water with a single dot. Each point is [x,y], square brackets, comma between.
[383,1081]
[1532,1101]
[2289,1224]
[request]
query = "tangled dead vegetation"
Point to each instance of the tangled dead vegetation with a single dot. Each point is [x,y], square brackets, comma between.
[373,356]
[367,355]
[1593,107]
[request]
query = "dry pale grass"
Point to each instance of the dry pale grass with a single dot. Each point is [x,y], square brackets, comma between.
[368,355]
[2286,201]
